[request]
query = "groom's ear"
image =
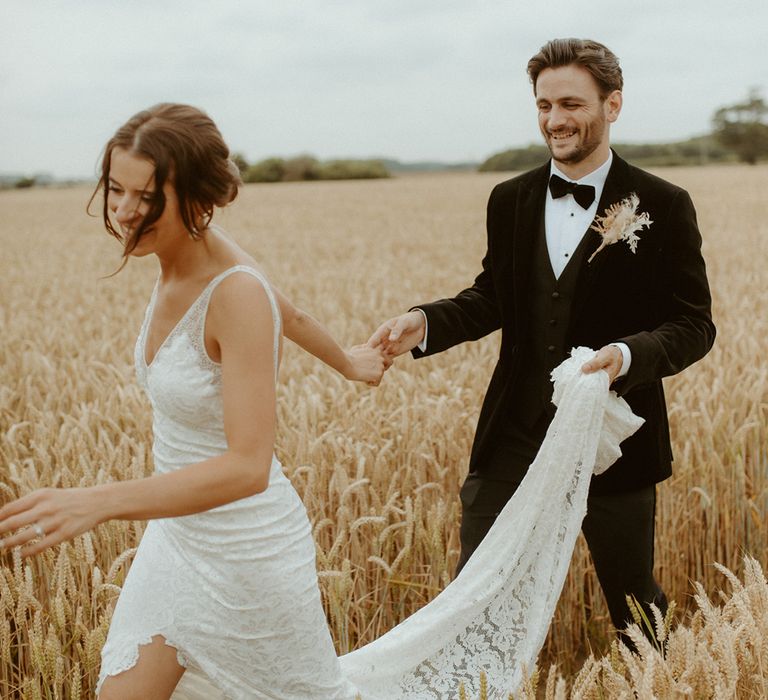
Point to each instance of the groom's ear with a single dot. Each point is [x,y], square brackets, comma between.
[612,105]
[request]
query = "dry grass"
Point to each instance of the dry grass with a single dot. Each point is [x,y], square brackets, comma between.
[379,470]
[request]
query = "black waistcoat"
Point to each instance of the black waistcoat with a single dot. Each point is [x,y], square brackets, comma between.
[546,342]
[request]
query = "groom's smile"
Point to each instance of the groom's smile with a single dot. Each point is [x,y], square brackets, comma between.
[562,135]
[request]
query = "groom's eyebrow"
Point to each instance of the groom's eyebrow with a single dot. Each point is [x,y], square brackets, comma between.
[560,98]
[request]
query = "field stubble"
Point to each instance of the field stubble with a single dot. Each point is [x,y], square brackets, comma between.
[378,469]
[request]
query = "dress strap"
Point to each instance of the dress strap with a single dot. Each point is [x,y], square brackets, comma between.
[276,318]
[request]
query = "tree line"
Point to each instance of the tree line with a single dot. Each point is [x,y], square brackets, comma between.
[306,167]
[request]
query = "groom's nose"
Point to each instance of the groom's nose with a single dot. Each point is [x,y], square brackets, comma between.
[556,118]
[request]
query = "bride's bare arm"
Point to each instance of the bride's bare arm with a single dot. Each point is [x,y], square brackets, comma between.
[240,320]
[359,363]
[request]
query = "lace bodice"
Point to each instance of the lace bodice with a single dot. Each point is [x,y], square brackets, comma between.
[184,384]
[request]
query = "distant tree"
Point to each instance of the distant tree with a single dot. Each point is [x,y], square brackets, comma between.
[24,182]
[743,127]
[239,160]
[516,159]
[269,170]
[352,170]
[304,167]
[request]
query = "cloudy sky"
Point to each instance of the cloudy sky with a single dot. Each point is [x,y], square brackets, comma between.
[411,79]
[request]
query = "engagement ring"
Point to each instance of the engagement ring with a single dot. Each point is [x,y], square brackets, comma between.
[38,530]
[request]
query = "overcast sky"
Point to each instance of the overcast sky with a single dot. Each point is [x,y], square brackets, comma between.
[411,79]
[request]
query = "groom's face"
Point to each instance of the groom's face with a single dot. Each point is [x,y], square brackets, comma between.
[573,117]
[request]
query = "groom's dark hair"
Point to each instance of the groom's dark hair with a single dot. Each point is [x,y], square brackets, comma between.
[599,60]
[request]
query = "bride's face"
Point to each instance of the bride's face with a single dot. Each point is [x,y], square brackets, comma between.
[131,193]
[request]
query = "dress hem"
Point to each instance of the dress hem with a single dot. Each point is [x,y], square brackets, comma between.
[182,658]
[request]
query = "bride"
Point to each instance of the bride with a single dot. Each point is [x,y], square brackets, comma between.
[224,580]
[224,577]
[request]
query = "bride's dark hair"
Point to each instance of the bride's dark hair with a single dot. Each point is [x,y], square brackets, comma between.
[186,147]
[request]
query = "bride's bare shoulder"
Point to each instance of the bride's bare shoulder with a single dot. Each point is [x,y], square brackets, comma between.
[230,254]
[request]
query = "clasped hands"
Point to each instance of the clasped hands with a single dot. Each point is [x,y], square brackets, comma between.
[401,334]
[368,362]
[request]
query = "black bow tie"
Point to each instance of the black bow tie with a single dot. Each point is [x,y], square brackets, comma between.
[583,194]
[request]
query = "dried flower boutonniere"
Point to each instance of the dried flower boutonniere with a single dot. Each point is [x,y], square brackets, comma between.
[621,223]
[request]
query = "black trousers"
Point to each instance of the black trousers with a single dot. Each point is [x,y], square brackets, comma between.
[619,530]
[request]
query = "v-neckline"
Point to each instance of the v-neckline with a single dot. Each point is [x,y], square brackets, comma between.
[151,316]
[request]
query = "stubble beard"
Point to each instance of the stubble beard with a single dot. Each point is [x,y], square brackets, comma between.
[577,154]
[589,141]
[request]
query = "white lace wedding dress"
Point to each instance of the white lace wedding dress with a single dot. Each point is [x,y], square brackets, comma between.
[235,591]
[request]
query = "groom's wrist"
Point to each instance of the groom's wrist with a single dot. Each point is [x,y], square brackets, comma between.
[422,344]
[626,358]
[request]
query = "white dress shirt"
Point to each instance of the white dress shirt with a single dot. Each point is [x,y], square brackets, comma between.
[565,223]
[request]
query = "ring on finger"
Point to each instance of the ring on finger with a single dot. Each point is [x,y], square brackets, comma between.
[38,530]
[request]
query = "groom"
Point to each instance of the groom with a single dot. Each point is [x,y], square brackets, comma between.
[646,309]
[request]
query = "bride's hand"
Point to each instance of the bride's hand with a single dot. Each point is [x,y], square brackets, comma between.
[365,364]
[47,517]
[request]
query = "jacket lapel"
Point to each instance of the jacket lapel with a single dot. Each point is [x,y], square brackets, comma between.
[528,225]
[617,186]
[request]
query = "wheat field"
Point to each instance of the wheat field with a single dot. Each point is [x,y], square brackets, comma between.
[379,469]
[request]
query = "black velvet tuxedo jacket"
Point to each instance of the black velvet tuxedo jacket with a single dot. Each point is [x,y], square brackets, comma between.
[655,300]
